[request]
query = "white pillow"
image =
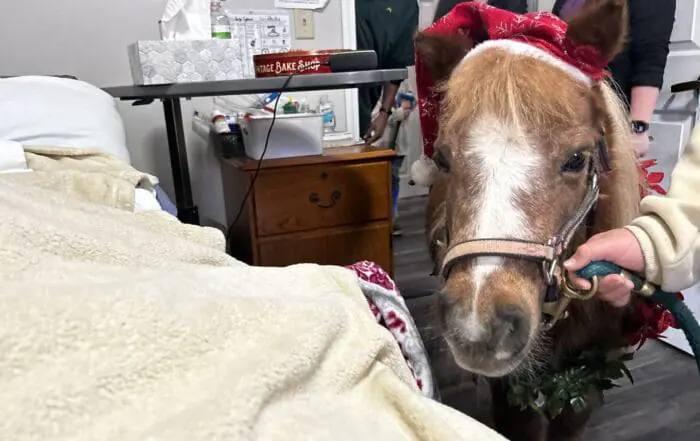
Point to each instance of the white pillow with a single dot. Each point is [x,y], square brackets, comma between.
[60,112]
[12,158]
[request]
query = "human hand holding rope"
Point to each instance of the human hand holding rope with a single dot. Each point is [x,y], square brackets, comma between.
[618,246]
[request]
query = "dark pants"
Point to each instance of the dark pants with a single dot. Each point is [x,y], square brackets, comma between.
[395,171]
[395,184]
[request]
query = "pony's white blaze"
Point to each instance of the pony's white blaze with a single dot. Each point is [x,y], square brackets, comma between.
[507,166]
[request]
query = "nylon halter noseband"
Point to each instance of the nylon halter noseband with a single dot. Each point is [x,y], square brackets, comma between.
[548,254]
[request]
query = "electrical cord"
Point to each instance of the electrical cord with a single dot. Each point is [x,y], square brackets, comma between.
[259,164]
[282,89]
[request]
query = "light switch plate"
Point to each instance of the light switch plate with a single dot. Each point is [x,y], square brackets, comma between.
[304,24]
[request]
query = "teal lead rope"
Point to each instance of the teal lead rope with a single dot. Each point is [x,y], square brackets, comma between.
[684,317]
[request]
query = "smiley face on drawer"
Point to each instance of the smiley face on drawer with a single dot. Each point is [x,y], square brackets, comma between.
[321,196]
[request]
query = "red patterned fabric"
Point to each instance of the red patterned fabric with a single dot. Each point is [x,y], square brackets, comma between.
[373,273]
[390,311]
[482,22]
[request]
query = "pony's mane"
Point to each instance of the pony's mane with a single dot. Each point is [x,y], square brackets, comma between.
[619,202]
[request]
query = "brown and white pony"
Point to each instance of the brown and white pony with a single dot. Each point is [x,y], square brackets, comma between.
[516,136]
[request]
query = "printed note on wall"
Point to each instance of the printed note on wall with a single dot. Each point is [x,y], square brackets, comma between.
[260,32]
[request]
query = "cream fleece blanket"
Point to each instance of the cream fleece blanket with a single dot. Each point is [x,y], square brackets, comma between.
[124,326]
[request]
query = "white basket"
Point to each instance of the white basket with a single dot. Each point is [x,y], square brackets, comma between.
[299,134]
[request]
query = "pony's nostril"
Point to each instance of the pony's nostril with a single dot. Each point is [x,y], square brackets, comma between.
[510,314]
[511,330]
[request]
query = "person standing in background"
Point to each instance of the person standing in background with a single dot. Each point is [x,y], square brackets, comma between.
[639,69]
[386,27]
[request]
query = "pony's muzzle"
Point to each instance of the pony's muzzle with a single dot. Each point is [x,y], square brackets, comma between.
[488,344]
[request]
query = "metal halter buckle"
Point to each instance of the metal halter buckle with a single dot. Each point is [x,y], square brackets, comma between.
[579,294]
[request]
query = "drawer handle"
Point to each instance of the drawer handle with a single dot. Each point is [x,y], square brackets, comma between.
[315,199]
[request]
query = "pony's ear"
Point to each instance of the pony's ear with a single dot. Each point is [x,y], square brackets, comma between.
[440,53]
[601,24]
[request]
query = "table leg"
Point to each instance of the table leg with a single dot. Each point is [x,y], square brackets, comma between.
[186,209]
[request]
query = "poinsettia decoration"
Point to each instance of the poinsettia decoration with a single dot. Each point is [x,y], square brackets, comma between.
[650,180]
[654,320]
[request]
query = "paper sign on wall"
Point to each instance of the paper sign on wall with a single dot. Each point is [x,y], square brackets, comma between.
[260,32]
[301,4]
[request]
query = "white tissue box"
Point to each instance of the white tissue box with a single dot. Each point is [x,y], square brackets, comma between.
[185,61]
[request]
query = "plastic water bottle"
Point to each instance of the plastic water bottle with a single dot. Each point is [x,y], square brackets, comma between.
[220,24]
[325,109]
[236,138]
[303,106]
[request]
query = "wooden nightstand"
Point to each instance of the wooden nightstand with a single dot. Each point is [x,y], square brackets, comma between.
[332,209]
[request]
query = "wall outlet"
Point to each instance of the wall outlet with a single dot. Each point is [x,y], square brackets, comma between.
[304,24]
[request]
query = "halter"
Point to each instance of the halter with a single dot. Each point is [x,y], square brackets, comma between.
[549,254]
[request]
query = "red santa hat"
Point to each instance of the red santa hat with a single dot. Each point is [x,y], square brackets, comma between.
[541,35]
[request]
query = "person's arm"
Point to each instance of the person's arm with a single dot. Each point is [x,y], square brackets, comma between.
[380,120]
[389,95]
[643,102]
[668,228]
[651,24]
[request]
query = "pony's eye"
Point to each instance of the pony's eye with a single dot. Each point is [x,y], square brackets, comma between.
[575,163]
[441,162]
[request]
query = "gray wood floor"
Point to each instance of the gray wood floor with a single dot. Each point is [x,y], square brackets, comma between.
[662,405]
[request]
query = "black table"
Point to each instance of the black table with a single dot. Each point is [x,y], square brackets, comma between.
[171,94]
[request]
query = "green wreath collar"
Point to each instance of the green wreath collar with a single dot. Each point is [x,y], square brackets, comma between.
[569,385]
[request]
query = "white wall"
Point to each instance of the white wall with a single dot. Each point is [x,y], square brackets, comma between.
[88,39]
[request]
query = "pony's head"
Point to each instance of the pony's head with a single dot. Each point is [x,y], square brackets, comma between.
[520,139]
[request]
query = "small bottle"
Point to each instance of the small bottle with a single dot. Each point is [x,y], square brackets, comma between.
[220,24]
[237,148]
[290,107]
[268,99]
[303,106]
[325,108]
[219,123]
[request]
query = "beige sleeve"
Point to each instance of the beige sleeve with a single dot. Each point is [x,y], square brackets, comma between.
[668,227]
